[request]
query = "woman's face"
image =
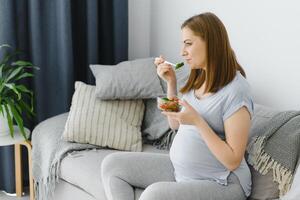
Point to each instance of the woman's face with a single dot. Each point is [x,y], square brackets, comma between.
[193,49]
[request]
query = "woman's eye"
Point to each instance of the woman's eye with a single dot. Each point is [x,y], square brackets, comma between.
[188,44]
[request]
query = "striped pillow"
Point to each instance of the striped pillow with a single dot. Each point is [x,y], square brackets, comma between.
[112,123]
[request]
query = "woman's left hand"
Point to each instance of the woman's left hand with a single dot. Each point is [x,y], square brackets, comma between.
[188,116]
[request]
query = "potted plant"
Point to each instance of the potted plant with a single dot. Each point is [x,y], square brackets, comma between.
[13,94]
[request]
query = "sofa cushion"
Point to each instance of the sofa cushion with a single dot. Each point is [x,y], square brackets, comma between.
[135,79]
[83,168]
[263,186]
[127,80]
[154,124]
[114,124]
[67,191]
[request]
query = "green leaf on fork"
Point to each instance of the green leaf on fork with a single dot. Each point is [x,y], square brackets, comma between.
[179,65]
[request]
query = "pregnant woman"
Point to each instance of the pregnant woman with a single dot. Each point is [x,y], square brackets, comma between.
[206,158]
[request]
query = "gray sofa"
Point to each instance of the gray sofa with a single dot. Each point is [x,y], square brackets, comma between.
[80,171]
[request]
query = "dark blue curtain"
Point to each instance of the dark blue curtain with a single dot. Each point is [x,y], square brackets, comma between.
[62,37]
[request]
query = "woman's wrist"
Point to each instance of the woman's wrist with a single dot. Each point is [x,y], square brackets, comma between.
[171,84]
[172,90]
[199,122]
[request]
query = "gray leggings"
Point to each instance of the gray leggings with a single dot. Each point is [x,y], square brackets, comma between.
[123,171]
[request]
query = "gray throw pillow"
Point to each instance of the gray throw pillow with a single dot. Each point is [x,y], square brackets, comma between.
[263,186]
[154,123]
[135,79]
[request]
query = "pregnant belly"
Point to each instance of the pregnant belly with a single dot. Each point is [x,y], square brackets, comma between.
[192,159]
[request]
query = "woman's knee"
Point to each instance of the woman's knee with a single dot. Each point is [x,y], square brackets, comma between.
[118,164]
[111,163]
[157,191]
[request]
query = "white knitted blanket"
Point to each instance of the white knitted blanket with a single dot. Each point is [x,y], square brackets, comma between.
[47,152]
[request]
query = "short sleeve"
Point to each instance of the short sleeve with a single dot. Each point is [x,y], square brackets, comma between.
[236,99]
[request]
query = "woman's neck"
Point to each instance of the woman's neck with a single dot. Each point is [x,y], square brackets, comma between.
[200,92]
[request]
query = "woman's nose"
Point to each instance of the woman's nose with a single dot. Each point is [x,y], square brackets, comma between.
[183,52]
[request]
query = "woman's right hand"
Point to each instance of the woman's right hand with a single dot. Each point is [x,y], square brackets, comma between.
[165,71]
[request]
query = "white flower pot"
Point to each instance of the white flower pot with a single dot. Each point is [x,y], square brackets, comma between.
[4,129]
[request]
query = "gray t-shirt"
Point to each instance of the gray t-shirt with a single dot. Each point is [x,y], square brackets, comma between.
[191,158]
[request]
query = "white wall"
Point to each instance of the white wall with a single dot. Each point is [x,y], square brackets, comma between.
[264,34]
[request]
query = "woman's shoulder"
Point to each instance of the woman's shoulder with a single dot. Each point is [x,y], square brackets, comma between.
[238,93]
[238,85]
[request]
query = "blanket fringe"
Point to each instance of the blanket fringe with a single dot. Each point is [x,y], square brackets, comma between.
[262,162]
[165,141]
[44,188]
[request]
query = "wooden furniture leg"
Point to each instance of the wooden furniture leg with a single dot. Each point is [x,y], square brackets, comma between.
[18,170]
[19,175]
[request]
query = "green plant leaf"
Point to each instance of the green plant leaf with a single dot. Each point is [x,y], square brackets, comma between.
[1,110]
[28,111]
[26,64]
[9,120]
[18,119]
[32,99]
[23,88]
[1,69]
[25,75]
[13,87]
[18,107]
[22,63]
[14,73]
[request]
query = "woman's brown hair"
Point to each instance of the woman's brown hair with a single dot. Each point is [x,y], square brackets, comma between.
[221,61]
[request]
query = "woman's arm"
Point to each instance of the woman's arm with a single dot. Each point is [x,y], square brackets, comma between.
[167,73]
[171,92]
[230,152]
